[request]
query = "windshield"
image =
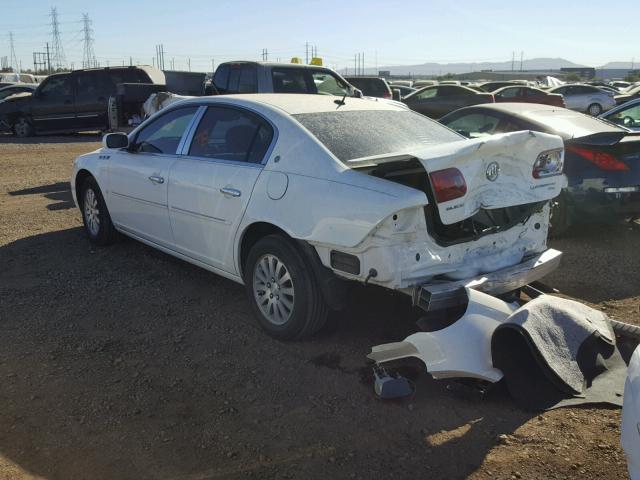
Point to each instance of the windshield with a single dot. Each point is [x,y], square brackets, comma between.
[356,134]
[306,80]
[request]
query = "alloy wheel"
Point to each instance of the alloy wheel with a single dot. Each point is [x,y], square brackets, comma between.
[273,289]
[91,212]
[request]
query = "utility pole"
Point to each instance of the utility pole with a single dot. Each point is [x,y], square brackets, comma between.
[306,53]
[88,56]
[213,66]
[59,60]
[189,63]
[355,65]
[363,69]
[15,66]
[48,60]
[521,59]
[513,60]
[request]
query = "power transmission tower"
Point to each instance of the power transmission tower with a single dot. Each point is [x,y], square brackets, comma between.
[13,59]
[88,55]
[58,59]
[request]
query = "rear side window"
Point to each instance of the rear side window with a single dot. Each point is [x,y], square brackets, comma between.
[231,134]
[248,80]
[164,133]
[356,134]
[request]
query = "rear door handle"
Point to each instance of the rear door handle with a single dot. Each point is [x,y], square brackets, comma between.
[230,192]
[156,179]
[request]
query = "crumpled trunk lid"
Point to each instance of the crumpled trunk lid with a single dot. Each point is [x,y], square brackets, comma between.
[498,172]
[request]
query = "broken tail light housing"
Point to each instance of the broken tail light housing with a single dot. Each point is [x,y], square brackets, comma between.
[548,164]
[448,184]
[602,160]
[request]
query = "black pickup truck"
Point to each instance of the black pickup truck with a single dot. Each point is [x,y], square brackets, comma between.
[71,102]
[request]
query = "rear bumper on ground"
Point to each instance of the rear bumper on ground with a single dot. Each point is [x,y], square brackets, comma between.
[436,296]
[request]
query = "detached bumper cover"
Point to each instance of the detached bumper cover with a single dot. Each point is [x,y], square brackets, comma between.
[435,296]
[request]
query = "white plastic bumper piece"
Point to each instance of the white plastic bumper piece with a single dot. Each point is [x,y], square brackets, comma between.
[459,350]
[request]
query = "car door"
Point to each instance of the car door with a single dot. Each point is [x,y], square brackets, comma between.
[211,182]
[52,106]
[139,175]
[90,99]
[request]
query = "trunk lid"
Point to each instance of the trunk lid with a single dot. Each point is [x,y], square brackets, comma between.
[497,170]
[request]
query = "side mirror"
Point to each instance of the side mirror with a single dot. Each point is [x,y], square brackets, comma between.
[115,140]
[396,94]
[357,93]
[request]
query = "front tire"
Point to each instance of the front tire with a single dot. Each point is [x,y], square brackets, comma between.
[594,109]
[95,216]
[23,128]
[283,290]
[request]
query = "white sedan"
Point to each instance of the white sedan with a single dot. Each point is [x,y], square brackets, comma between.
[297,195]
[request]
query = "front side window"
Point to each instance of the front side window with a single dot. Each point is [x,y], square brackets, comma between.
[329,84]
[629,117]
[57,87]
[231,134]
[509,93]
[163,134]
[356,134]
[429,92]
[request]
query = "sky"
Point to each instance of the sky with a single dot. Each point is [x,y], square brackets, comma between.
[409,32]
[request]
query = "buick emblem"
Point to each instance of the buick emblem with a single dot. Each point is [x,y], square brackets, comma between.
[493,171]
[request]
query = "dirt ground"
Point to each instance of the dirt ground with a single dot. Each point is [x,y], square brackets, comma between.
[123,362]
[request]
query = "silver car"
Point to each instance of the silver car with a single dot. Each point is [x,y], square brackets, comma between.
[585,98]
[626,115]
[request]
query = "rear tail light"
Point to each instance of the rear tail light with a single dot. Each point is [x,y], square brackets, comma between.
[602,160]
[548,163]
[448,184]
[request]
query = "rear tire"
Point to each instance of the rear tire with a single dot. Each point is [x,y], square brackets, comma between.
[23,128]
[594,109]
[95,216]
[283,291]
[559,217]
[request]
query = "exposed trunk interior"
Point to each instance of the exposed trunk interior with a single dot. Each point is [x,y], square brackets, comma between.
[412,174]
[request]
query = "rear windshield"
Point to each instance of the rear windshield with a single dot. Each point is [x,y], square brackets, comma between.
[356,134]
[569,124]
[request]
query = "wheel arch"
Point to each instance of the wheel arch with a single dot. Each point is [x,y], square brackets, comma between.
[81,176]
[334,289]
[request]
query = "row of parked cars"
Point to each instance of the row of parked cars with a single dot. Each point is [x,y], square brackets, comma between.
[600,152]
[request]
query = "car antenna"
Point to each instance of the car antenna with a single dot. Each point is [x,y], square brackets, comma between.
[341,101]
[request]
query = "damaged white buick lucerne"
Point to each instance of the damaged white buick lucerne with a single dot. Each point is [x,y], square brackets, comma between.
[295,195]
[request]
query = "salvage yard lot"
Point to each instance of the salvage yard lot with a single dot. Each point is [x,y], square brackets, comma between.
[124,362]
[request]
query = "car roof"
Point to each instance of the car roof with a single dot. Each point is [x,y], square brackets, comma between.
[293,103]
[276,64]
[561,121]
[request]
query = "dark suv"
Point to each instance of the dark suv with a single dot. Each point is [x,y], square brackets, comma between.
[264,77]
[71,102]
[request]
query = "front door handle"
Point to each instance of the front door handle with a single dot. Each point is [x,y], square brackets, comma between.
[156,179]
[230,192]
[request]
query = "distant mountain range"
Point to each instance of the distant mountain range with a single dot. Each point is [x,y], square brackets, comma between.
[444,68]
